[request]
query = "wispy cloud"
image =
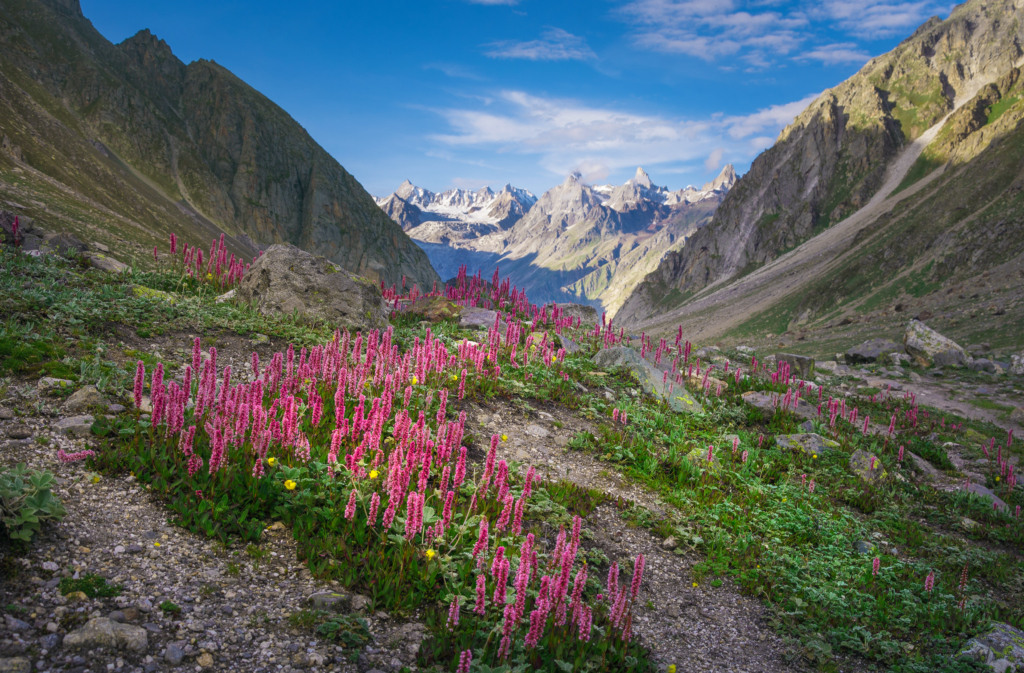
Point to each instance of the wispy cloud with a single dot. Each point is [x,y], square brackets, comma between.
[493,2]
[842,52]
[568,135]
[453,70]
[760,33]
[554,44]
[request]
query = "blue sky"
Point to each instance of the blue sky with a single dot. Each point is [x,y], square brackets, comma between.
[457,93]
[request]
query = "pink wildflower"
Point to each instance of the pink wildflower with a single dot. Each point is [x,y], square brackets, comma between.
[929,582]
[350,509]
[140,379]
[875,565]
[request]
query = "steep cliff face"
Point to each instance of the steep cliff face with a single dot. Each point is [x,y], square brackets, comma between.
[834,157]
[202,150]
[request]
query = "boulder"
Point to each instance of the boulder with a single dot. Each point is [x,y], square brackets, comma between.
[63,244]
[15,665]
[104,632]
[287,280]
[1017,416]
[226,297]
[867,466]
[982,365]
[1001,648]
[75,426]
[987,494]
[769,402]
[472,317]
[649,377]
[568,344]
[106,263]
[810,443]
[435,309]
[84,399]
[800,365]
[48,384]
[872,351]
[931,349]
[587,314]
[331,601]
[1017,365]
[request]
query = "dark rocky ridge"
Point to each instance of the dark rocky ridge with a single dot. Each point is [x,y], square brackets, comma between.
[156,146]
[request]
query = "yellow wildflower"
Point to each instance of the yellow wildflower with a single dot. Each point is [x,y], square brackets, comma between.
[783,500]
[431,554]
[455,377]
[156,544]
[374,474]
[209,276]
[671,668]
[271,461]
[814,455]
[290,485]
[694,584]
[504,438]
[415,380]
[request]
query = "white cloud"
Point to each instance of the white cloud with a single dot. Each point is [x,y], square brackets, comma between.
[568,135]
[831,54]
[714,160]
[761,32]
[453,70]
[493,2]
[555,44]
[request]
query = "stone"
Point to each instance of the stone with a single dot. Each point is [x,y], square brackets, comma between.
[873,350]
[174,654]
[19,432]
[587,314]
[15,665]
[669,543]
[407,638]
[864,547]
[984,492]
[14,624]
[649,377]
[900,359]
[768,403]
[982,365]
[104,632]
[360,603]
[98,247]
[807,426]
[106,263]
[1001,648]
[1017,416]
[569,345]
[473,317]
[75,426]
[800,365]
[6,414]
[1017,365]
[115,408]
[143,292]
[929,470]
[828,366]
[931,349]
[205,660]
[83,399]
[809,443]
[534,430]
[226,297]
[331,601]
[867,466]
[287,280]
[48,384]
[435,309]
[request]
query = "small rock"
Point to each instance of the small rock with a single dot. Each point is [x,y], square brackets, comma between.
[15,665]
[1017,416]
[104,632]
[864,547]
[50,566]
[50,641]
[19,432]
[874,350]
[984,492]
[982,365]
[331,601]
[205,660]
[83,399]
[537,431]
[116,616]
[174,655]
[669,543]
[75,426]
[800,365]
[16,624]
[116,408]
[6,414]
[48,384]
[867,467]
[809,443]
[227,296]
[77,596]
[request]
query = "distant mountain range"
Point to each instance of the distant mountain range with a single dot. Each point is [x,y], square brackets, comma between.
[124,144]
[577,242]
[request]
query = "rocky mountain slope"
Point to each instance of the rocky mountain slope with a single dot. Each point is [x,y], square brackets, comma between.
[901,181]
[124,144]
[580,242]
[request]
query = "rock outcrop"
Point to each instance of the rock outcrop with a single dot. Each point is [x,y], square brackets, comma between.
[649,377]
[289,280]
[931,349]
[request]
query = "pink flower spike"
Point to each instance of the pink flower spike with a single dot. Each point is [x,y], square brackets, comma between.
[350,510]
[875,565]
[929,582]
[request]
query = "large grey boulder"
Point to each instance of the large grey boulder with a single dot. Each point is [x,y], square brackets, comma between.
[986,493]
[800,365]
[649,377]
[104,632]
[84,399]
[931,349]
[1001,648]
[872,351]
[288,280]
[75,426]
[769,403]
[867,466]
[810,443]
[1017,365]
[587,314]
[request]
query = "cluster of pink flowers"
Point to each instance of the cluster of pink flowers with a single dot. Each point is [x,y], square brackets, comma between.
[225,271]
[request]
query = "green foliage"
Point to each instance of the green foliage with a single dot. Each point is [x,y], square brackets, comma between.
[169,608]
[26,501]
[349,631]
[91,585]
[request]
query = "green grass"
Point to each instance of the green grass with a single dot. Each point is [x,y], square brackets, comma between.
[923,166]
[91,585]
